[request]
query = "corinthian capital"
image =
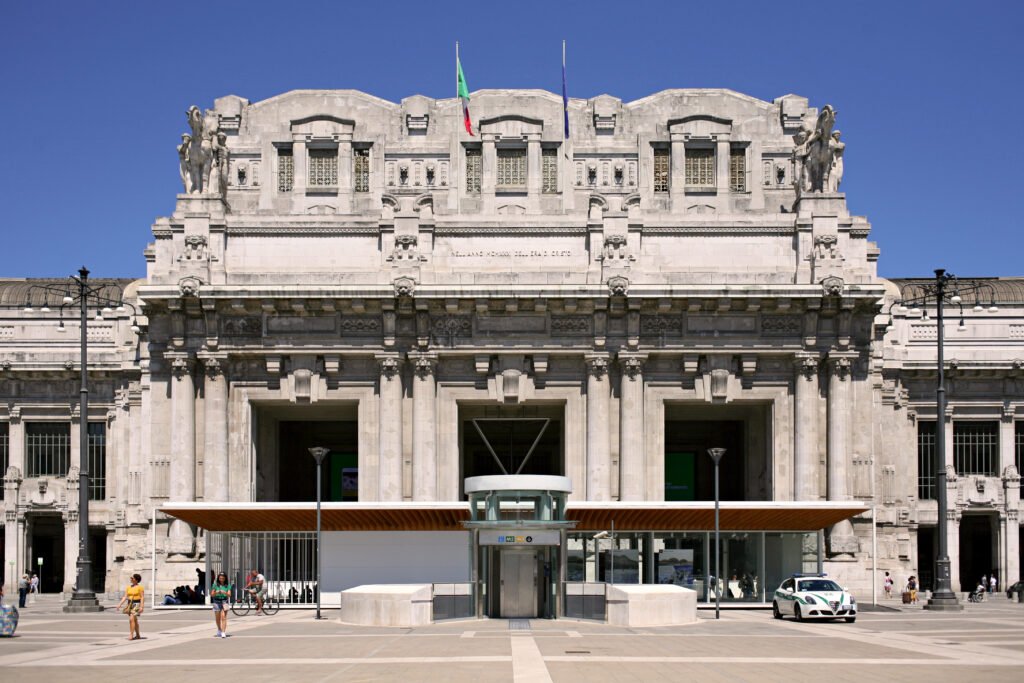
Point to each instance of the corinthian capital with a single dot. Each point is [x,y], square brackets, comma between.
[632,366]
[597,365]
[425,366]
[181,366]
[389,366]
[806,365]
[840,367]
[213,367]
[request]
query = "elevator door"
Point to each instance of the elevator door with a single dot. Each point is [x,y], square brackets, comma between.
[518,584]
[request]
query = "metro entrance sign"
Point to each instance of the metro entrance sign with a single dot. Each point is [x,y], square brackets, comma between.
[520,537]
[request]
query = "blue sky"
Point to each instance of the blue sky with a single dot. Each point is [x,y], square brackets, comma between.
[95,95]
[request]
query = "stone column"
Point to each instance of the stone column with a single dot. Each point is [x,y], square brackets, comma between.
[842,540]
[953,539]
[488,171]
[1011,487]
[424,428]
[631,428]
[677,171]
[805,428]
[182,484]
[533,168]
[389,476]
[215,445]
[598,468]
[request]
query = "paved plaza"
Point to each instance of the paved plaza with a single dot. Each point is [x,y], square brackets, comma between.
[984,642]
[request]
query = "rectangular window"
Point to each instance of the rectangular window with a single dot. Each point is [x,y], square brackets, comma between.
[661,170]
[474,170]
[285,169]
[700,167]
[47,449]
[1018,437]
[362,170]
[976,447]
[549,165]
[97,461]
[926,461]
[512,168]
[738,169]
[323,168]
[5,451]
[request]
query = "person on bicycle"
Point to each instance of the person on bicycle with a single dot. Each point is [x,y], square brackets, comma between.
[257,587]
[220,598]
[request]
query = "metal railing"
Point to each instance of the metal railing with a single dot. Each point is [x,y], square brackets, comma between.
[286,559]
[585,600]
[453,601]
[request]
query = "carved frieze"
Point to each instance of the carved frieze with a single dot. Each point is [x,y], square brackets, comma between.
[448,326]
[241,326]
[668,325]
[781,325]
[572,325]
[361,326]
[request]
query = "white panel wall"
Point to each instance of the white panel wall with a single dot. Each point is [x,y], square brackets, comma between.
[356,558]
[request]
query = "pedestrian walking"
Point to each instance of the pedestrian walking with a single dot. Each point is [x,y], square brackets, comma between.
[220,598]
[132,605]
[888,585]
[22,590]
[992,582]
[33,584]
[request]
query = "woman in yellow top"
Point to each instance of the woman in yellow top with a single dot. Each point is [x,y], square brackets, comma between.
[133,602]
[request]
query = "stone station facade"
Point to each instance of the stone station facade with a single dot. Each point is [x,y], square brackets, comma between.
[677,273]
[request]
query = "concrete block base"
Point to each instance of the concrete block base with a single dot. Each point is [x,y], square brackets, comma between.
[388,605]
[651,605]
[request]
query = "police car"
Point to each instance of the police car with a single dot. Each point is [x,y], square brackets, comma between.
[813,596]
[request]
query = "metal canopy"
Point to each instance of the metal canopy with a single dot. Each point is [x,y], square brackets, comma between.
[450,516]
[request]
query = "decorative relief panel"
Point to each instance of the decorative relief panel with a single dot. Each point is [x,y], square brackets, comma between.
[572,325]
[448,326]
[361,326]
[519,324]
[1016,331]
[922,332]
[652,325]
[241,326]
[781,325]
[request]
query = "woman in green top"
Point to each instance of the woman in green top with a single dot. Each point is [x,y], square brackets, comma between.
[220,598]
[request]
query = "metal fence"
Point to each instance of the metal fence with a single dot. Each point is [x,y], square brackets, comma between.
[585,600]
[453,601]
[286,559]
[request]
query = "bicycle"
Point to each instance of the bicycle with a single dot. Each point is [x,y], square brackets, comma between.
[247,601]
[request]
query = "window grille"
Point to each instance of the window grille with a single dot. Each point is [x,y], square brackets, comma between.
[5,451]
[1018,436]
[48,448]
[97,461]
[512,168]
[474,171]
[362,170]
[285,170]
[926,461]
[661,170]
[738,169]
[549,164]
[700,167]
[976,447]
[323,168]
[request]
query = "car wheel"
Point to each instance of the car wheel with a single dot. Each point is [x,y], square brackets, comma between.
[799,614]
[775,610]
[850,620]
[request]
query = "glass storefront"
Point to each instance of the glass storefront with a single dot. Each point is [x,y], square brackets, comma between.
[753,563]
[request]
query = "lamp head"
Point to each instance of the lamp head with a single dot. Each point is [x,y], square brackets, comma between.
[716,454]
[319,453]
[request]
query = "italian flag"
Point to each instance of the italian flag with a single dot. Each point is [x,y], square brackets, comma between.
[462,92]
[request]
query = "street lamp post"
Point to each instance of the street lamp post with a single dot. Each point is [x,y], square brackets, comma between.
[78,291]
[318,453]
[947,289]
[716,456]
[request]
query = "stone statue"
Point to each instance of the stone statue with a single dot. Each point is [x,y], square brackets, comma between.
[818,155]
[223,162]
[201,153]
[835,176]
[183,162]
